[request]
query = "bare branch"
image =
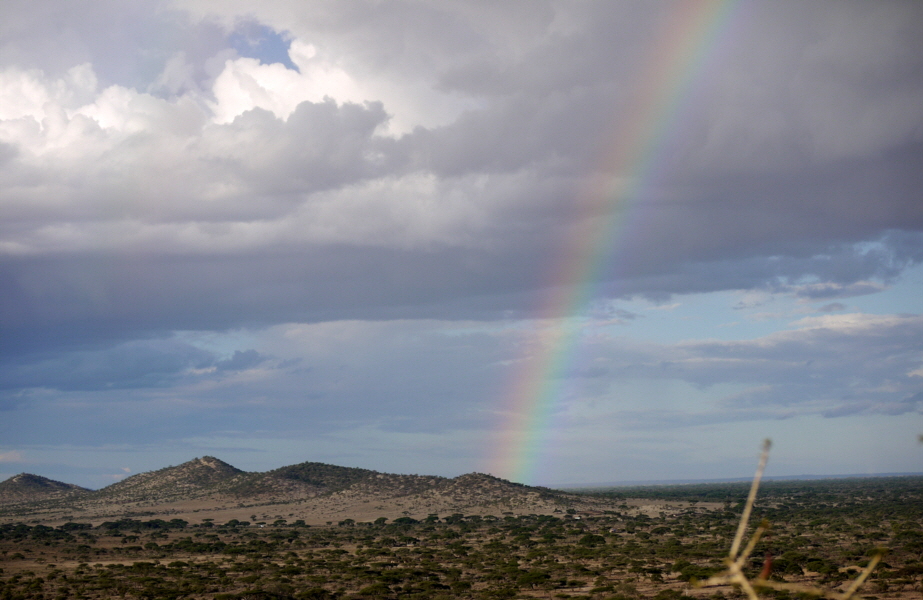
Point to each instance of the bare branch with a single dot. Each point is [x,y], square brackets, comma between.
[748,507]
[736,560]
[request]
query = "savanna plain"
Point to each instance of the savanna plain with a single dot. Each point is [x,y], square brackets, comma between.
[469,537]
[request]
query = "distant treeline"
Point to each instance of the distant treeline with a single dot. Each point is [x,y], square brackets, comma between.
[800,490]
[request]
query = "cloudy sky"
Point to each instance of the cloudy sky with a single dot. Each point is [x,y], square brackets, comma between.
[560,242]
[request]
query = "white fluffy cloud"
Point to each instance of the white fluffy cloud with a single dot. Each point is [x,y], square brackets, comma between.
[245,84]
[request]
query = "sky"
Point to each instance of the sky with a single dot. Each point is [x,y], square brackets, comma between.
[558,242]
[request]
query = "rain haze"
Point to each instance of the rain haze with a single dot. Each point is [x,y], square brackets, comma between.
[558,242]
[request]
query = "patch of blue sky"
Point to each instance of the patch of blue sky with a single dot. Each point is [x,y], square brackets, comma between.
[815,445]
[254,40]
[736,315]
[661,402]
[222,344]
[904,296]
[725,315]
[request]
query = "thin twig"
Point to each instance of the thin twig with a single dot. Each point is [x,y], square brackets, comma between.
[747,588]
[752,544]
[862,577]
[748,507]
[735,562]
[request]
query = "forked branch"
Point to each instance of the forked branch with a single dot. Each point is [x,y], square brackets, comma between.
[735,561]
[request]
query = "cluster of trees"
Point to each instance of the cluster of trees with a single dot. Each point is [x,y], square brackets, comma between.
[819,532]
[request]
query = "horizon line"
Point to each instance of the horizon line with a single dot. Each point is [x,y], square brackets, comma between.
[666,482]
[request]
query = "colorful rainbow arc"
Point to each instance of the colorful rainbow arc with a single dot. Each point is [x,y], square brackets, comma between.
[688,38]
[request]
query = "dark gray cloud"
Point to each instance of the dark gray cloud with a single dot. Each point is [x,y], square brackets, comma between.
[76,300]
[140,364]
[129,365]
[406,377]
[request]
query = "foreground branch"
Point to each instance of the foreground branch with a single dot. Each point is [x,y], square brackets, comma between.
[736,560]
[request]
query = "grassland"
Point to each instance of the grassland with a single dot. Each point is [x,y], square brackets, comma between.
[822,533]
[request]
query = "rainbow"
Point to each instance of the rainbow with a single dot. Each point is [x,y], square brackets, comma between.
[688,38]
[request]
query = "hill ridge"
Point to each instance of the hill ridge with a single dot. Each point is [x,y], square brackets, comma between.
[209,484]
[190,478]
[30,487]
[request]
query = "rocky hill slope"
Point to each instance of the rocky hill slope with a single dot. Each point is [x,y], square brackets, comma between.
[316,492]
[193,479]
[26,487]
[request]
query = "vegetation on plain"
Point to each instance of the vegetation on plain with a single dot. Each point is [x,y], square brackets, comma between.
[821,535]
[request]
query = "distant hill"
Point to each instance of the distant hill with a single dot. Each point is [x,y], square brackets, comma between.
[309,490]
[26,487]
[330,477]
[305,479]
[191,479]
